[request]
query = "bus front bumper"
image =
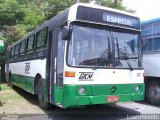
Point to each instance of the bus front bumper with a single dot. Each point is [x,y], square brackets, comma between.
[98,94]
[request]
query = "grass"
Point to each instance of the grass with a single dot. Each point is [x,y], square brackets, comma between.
[7,93]
[5,87]
[9,98]
[16,101]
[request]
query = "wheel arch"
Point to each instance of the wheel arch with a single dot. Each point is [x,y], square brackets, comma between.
[148,79]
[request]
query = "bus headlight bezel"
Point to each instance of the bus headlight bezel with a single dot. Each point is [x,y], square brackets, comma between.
[137,88]
[82,90]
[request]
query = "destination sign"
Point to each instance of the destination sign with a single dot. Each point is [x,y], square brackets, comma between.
[111,18]
[118,19]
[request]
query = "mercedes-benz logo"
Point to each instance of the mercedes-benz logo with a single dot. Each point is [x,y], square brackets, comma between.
[113,89]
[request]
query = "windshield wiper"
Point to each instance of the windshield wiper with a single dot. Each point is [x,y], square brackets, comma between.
[104,54]
[125,57]
[126,52]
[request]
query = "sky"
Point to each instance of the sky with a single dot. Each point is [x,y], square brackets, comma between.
[145,9]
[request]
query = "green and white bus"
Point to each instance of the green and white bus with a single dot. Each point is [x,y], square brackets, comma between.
[86,55]
[1,51]
[1,46]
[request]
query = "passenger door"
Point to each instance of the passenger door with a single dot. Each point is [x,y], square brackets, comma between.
[56,67]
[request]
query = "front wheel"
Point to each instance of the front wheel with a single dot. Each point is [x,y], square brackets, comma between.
[153,92]
[43,104]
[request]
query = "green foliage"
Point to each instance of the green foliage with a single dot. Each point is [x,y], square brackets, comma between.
[2,56]
[1,36]
[18,17]
[5,87]
[10,13]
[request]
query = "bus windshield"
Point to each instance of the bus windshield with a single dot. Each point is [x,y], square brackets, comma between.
[126,48]
[91,46]
[87,45]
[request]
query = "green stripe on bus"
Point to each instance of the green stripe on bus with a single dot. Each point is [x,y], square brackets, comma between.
[24,82]
[97,94]
[27,83]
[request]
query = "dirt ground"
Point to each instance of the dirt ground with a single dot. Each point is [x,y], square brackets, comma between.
[15,101]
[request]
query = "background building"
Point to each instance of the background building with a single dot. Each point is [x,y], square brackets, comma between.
[151,33]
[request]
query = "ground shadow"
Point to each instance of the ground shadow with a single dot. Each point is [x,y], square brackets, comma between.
[145,102]
[27,96]
[95,112]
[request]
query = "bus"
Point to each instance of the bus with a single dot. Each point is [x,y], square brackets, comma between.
[86,55]
[1,46]
[151,57]
[1,51]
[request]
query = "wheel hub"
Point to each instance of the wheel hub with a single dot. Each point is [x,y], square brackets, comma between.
[155,92]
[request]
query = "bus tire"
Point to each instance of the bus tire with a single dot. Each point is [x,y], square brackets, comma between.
[43,104]
[153,92]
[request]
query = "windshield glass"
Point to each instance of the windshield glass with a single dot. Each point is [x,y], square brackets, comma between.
[97,47]
[126,48]
[87,46]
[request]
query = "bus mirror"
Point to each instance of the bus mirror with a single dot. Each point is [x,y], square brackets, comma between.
[65,33]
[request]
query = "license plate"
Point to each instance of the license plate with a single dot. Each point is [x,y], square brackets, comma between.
[111,99]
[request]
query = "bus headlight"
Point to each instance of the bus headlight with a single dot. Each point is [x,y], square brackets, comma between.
[137,88]
[82,90]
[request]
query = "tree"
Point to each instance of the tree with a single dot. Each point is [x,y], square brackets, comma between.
[117,4]
[18,17]
[10,15]
[53,7]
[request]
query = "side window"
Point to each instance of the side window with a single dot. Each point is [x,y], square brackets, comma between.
[30,43]
[16,50]
[60,60]
[22,46]
[42,38]
[12,51]
[9,53]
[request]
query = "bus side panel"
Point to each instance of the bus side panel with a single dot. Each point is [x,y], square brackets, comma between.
[23,73]
[24,82]
[151,68]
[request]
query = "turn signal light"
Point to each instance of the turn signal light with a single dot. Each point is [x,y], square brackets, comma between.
[70,74]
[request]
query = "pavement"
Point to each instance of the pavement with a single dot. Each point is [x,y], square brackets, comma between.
[28,109]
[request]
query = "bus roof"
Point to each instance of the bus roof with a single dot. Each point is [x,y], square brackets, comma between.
[102,8]
[152,21]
